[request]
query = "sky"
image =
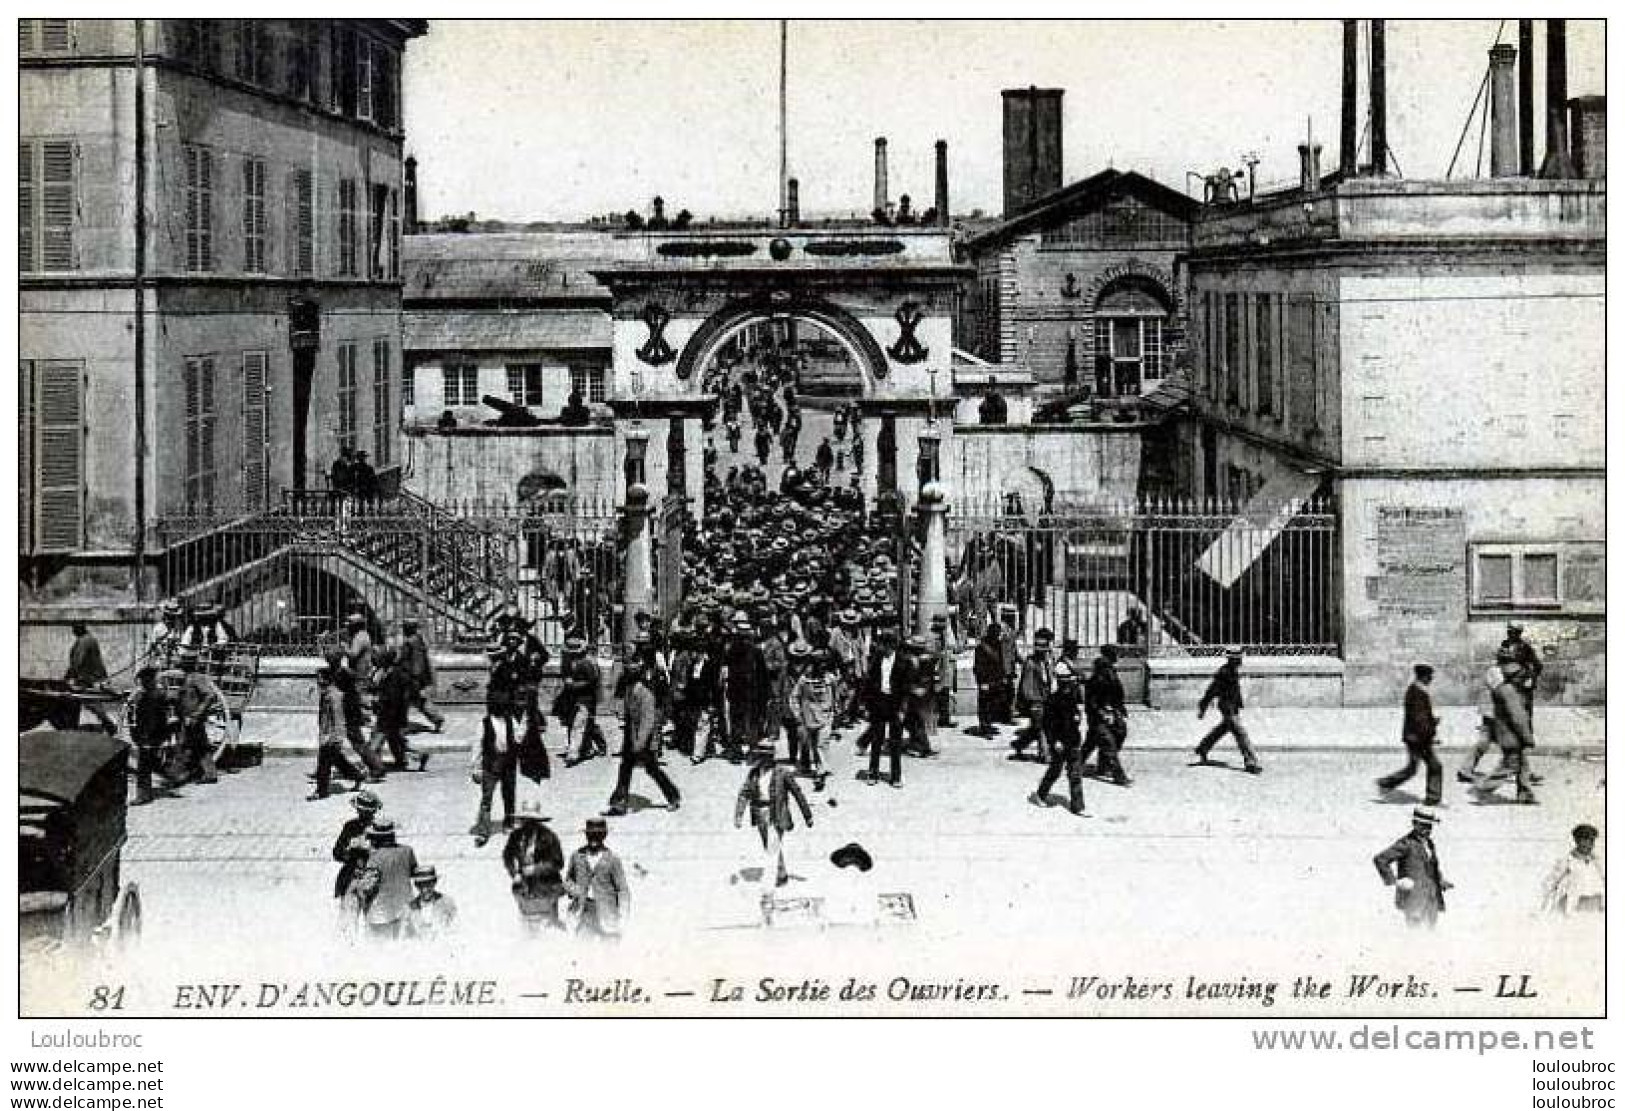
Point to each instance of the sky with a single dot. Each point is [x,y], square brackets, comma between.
[560,120]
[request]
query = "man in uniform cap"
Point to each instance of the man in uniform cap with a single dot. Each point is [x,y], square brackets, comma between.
[1411,867]
[1224,689]
[595,880]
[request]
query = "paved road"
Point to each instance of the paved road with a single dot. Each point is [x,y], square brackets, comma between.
[1201,871]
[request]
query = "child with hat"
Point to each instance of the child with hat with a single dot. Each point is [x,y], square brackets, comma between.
[433,914]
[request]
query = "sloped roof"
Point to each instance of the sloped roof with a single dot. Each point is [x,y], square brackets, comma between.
[536,329]
[1081,196]
[509,267]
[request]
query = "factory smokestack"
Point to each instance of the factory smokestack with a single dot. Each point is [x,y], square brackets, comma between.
[1526,97]
[1348,152]
[1379,98]
[792,203]
[1557,164]
[409,196]
[1503,112]
[942,183]
[1032,146]
[882,191]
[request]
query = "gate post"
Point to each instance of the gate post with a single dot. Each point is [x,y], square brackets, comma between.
[638,577]
[932,591]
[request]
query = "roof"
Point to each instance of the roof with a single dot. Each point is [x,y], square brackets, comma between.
[505,267]
[1091,192]
[525,329]
[53,766]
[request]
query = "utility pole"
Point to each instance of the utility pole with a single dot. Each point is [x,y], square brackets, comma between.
[139,323]
[784,139]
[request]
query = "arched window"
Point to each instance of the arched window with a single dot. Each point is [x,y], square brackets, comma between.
[1131,321]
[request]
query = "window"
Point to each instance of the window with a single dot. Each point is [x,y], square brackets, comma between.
[364,76]
[342,82]
[197,42]
[44,37]
[1129,322]
[47,204]
[394,269]
[381,413]
[199,433]
[299,61]
[347,229]
[252,53]
[347,398]
[1517,576]
[199,208]
[1210,363]
[377,213]
[462,384]
[256,433]
[1300,356]
[386,89]
[51,450]
[525,383]
[588,381]
[302,222]
[409,392]
[1264,350]
[1232,348]
[254,216]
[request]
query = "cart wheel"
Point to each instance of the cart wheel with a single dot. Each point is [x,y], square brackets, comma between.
[127,915]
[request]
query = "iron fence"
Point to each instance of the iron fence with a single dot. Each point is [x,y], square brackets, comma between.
[1162,577]
[286,579]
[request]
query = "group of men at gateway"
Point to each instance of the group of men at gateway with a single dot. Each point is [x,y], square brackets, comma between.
[788,647]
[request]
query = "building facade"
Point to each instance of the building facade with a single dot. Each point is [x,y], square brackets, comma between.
[1431,355]
[209,257]
[1083,287]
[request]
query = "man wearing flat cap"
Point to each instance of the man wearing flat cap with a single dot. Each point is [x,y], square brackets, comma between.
[595,880]
[1411,867]
[1224,690]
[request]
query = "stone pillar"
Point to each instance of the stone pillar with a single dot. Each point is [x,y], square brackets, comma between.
[638,594]
[931,592]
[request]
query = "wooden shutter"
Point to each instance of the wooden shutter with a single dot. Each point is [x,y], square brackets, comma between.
[59,159]
[56,36]
[26,192]
[25,456]
[199,209]
[255,433]
[59,448]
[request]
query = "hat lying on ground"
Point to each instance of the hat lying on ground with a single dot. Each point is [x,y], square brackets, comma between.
[852,855]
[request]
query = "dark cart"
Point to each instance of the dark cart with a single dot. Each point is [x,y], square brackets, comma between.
[70,833]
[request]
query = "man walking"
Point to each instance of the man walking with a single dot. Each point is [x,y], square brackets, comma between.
[1036,683]
[387,882]
[1512,729]
[494,756]
[1411,867]
[596,883]
[1061,724]
[577,704]
[414,658]
[1224,690]
[767,792]
[351,848]
[330,756]
[639,718]
[534,859]
[1529,667]
[87,672]
[1106,712]
[885,684]
[987,668]
[1419,734]
[392,703]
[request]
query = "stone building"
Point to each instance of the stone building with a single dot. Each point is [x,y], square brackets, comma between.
[1080,285]
[209,268]
[518,317]
[1429,354]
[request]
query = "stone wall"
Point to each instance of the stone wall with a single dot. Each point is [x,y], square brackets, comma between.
[983,462]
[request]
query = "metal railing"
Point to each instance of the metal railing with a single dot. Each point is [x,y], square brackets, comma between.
[1164,577]
[288,578]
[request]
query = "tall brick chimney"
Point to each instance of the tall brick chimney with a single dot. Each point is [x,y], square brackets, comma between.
[882,190]
[1348,137]
[792,203]
[942,183]
[1032,146]
[1503,111]
[1526,97]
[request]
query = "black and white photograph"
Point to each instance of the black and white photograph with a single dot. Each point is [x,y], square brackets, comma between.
[763,518]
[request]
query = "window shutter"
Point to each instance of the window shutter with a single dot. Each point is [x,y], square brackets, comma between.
[25,456]
[59,456]
[26,189]
[206,208]
[58,199]
[27,37]
[255,433]
[56,36]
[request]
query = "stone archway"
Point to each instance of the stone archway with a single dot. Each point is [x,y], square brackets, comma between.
[861,346]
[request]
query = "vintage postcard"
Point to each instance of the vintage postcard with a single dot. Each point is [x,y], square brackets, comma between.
[818,518]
